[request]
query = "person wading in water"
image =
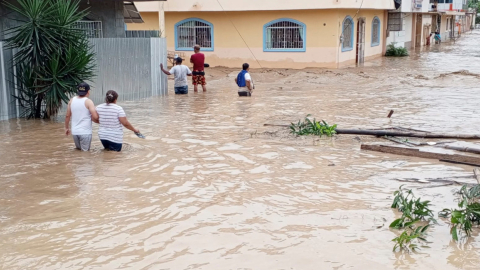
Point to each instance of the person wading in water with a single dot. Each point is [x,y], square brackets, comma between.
[198,61]
[111,118]
[180,73]
[244,82]
[81,111]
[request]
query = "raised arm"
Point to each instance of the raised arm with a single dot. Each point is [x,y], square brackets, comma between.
[68,116]
[127,124]
[91,107]
[164,71]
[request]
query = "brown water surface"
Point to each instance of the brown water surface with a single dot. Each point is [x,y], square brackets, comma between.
[212,188]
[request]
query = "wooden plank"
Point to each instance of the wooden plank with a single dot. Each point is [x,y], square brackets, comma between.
[475,161]
[407,134]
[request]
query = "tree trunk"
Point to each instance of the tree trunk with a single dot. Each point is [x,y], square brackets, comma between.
[38,107]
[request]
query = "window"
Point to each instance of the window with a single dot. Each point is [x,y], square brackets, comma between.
[395,21]
[375,31]
[191,32]
[347,34]
[284,35]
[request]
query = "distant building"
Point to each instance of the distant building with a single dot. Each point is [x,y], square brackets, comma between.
[293,34]
[411,24]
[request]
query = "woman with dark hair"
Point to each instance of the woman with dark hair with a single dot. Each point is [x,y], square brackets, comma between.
[111,119]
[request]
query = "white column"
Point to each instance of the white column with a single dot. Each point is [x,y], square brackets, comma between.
[161,17]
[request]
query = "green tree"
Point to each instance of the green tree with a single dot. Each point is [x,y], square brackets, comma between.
[52,56]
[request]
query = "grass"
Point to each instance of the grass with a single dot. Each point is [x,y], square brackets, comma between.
[312,127]
[396,51]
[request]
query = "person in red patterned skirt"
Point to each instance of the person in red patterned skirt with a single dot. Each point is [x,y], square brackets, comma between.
[198,61]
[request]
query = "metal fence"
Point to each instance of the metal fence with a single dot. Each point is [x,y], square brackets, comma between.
[130,66]
[142,33]
[92,29]
[8,105]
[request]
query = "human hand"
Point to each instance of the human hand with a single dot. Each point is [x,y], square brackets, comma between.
[67,132]
[136,130]
[161,65]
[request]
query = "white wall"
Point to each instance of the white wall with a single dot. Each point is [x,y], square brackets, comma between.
[402,38]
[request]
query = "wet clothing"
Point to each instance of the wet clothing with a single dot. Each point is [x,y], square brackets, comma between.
[182,90]
[244,94]
[110,127]
[198,60]
[82,142]
[198,78]
[180,73]
[111,146]
[81,117]
[242,79]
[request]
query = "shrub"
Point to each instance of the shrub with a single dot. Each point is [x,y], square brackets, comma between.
[396,51]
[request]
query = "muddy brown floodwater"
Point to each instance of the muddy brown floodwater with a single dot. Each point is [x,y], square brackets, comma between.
[212,188]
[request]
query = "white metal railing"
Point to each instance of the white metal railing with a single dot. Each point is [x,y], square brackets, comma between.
[142,33]
[92,29]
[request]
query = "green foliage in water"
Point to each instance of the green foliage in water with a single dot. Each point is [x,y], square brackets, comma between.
[312,127]
[396,51]
[413,210]
[468,214]
[407,241]
[52,57]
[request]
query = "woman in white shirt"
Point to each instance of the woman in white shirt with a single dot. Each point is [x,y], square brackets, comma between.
[112,119]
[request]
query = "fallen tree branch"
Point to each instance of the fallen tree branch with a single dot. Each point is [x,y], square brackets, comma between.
[468,160]
[397,133]
[407,134]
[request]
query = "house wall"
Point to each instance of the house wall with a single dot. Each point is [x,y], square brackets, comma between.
[323,30]
[150,22]
[255,5]
[403,38]
[111,15]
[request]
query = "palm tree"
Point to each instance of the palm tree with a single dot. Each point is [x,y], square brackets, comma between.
[52,56]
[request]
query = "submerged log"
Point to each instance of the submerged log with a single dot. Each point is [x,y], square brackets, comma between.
[391,133]
[461,159]
[407,134]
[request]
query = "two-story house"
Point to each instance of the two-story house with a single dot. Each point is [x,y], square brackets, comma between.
[272,33]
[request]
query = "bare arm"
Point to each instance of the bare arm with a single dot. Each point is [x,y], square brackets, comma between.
[67,118]
[236,80]
[127,124]
[249,85]
[164,71]
[91,107]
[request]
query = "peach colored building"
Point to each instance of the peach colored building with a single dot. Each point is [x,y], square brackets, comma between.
[272,33]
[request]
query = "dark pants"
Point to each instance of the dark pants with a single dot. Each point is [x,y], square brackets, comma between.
[244,94]
[181,90]
[111,145]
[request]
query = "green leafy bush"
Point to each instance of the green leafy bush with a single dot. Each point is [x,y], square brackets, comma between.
[396,51]
[52,55]
[309,127]
[468,215]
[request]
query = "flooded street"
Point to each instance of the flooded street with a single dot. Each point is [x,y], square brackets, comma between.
[212,188]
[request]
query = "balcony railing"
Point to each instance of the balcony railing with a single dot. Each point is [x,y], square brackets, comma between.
[142,33]
[92,29]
